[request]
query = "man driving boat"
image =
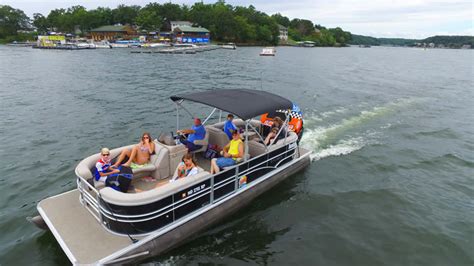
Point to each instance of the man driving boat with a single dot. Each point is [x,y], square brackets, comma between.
[196,132]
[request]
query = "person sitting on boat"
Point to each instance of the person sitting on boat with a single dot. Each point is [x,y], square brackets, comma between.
[103,167]
[277,124]
[196,132]
[187,167]
[118,178]
[229,126]
[231,153]
[139,155]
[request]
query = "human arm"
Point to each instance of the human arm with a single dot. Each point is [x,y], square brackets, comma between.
[181,170]
[241,151]
[186,131]
[150,145]
[105,170]
[193,171]
[225,151]
[113,171]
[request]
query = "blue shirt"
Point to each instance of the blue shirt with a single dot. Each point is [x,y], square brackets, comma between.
[101,167]
[199,133]
[228,126]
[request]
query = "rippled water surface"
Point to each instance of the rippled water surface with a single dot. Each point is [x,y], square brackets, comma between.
[391,129]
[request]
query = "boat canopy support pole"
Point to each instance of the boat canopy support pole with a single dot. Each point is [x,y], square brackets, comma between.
[185,109]
[246,148]
[209,116]
[285,124]
[260,136]
[177,116]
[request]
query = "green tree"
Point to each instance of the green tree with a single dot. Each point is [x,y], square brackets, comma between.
[125,14]
[149,20]
[245,31]
[40,22]
[12,20]
[56,19]
[304,27]
[282,20]
[341,37]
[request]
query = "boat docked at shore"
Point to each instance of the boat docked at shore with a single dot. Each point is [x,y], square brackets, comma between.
[268,51]
[99,225]
[155,45]
[229,46]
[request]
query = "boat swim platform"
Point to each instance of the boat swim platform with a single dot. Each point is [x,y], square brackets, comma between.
[81,236]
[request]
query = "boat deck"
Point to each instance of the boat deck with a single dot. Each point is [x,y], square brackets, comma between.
[80,235]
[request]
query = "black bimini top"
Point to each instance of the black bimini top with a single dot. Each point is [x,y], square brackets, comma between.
[243,103]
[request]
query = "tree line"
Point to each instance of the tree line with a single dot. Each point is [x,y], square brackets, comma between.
[446,41]
[227,23]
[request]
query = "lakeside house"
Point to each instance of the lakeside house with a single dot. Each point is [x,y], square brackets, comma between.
[110,32]
[175,24]
[283,33]
[188,34]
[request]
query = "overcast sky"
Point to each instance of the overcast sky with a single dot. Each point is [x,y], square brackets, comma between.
[378,18]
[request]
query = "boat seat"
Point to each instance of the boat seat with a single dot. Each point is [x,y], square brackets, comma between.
[136,199]
[158,167]
[203,142]
[257,148]
[217,136]
[238,123]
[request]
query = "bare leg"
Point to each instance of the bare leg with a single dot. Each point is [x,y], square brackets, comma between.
[123,154]
[269,137]
[213,161]
[132,156]
[214,168]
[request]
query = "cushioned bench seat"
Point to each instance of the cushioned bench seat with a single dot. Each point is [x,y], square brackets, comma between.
[158,170]
[257,148]
[135,199]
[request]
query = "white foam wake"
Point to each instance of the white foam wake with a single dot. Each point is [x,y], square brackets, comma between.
[325,141]
[342,148]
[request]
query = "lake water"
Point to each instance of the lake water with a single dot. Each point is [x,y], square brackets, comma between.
[391,130]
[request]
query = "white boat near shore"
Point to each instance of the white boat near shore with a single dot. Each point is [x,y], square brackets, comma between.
[230,46]
[268,51]
[94,224]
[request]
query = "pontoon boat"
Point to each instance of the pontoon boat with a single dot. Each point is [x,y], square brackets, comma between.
[99,225]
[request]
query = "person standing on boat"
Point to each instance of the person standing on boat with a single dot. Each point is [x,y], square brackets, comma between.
[196,132]
[139,154]
[229,126]
[231,153]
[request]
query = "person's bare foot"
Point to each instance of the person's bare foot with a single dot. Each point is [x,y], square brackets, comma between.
[127,164]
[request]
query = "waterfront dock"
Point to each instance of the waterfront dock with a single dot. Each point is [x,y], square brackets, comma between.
[180,50]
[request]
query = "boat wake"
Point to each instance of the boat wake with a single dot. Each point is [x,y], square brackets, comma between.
[347,135]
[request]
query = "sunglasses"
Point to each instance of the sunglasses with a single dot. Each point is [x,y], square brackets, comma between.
[106,154]
[146,137]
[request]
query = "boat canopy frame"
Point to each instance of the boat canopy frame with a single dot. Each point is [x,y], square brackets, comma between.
[243,103]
